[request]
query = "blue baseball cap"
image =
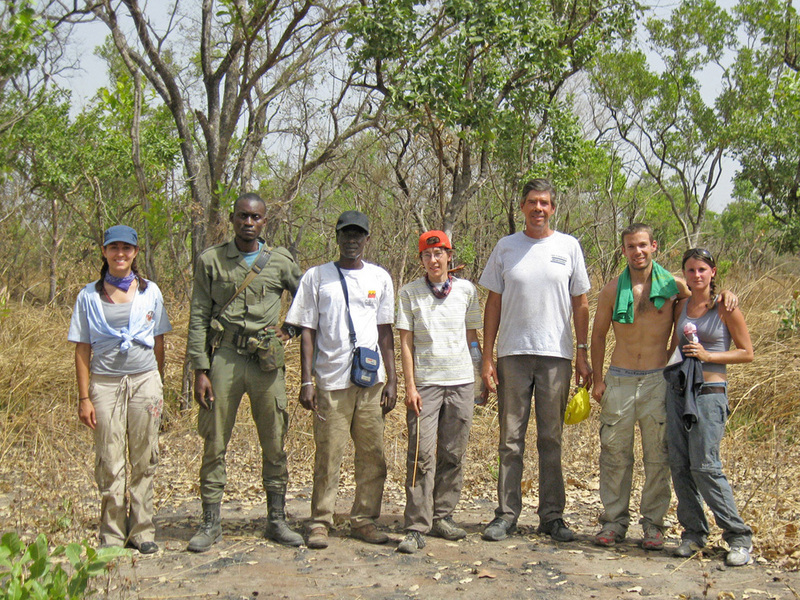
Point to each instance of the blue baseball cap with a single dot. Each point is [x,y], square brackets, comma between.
[121,233]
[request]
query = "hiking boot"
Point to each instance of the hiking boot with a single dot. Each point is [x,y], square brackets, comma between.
[557,530]
[369,533]
[447,529]
[210,531]
[317,537]
[147,548]
[739,556]
[688,548]
[498,529]
[608,536]
[653,538]
[413,541]
[277,528]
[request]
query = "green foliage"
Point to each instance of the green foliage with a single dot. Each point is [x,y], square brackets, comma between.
[789,315]
[31,573]
[21,29]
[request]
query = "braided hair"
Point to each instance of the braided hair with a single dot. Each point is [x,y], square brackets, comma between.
[705,256]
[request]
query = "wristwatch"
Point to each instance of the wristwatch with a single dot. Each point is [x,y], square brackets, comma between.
[582,346]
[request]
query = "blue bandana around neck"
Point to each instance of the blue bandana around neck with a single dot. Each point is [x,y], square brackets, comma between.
[123,283]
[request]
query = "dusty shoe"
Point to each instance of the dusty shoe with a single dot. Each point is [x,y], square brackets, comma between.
[688,548]
[653,538]
[413,541]
[739,556]
[447,529]
[147,548]
[557,530]
[608,536]
[278,529]
[369,533]
[317,537]
[210,531]
[498,529]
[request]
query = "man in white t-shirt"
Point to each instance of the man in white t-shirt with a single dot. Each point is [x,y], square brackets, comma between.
[437,317]
[331,299]
[537,280]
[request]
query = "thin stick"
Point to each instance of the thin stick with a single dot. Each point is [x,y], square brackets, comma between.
[416,458]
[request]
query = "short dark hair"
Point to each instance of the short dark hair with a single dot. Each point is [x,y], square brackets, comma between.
[250,197]
[635,228]
[540,185]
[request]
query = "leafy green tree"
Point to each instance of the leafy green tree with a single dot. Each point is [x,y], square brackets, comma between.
[463,74]
[765,136]
[659,112]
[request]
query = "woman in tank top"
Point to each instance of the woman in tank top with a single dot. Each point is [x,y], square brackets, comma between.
[704,330]
[118,328]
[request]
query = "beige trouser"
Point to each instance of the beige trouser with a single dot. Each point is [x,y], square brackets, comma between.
[355,412]
[443,430]
[128,410]
[638,396]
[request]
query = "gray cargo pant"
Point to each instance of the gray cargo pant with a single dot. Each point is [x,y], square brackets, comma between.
[443,430]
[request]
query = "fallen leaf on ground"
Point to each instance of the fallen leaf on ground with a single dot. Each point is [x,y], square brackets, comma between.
[486,574]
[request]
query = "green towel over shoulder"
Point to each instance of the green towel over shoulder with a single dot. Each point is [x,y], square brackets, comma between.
[662,288]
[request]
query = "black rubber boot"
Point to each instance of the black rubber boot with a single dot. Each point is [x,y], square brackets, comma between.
[277,528]
[210,531]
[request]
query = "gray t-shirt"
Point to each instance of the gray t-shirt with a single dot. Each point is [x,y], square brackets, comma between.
[537,279]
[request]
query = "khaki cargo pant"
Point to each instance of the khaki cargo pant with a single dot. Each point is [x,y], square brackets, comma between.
[356,413]
[233,375]
[443,430]
[633,397]
[128,410]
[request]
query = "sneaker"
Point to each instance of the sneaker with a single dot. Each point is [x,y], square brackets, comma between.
[739,556]
[369,533]
[557,530]
[317,537]
[688,548]
[608,536]
[447,529]
[498,529]
[653,538]
[413,541]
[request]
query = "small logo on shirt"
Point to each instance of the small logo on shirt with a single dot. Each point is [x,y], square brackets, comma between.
[149,316]
[372,298]
[371,294]
[559,260]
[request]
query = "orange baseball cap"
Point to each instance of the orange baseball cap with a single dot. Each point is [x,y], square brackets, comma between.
[434,239]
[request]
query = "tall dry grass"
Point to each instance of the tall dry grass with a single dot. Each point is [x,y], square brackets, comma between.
[46,456]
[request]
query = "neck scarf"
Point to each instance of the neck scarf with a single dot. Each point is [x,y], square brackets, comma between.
[123,283]
[445,289]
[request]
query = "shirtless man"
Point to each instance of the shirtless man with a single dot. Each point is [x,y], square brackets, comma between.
[639,304]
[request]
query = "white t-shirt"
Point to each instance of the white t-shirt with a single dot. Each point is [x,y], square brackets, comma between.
[319,304]
[439,325]
[537,278]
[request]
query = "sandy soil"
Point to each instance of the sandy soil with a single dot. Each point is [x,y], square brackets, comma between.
[526,565]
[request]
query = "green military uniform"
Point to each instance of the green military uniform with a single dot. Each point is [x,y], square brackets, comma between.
[234,366]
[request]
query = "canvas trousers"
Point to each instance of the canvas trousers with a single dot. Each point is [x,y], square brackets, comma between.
[633,397]
[696,466]
[128,411]
[356,413]
[233,375]
[442,428]
[545,381]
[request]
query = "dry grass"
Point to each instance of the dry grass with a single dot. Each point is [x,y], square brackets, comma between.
[46,457]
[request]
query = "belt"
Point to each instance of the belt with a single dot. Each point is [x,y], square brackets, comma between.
[239,339]
[713,389]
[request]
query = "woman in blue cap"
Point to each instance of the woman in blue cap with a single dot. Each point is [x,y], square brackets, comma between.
[118,328]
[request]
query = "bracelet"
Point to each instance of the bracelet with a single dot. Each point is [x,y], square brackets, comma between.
[305,383]
[582,346]
[84,398]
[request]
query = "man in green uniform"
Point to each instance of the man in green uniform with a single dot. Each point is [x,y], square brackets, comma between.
[235,348]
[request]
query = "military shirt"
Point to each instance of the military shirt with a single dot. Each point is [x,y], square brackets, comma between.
[219,272]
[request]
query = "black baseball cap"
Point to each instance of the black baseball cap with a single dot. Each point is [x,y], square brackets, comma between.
[353,217]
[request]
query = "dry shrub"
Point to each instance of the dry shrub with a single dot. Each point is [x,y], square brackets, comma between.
[46,456]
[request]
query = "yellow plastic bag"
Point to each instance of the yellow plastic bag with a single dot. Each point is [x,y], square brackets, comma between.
[578,408]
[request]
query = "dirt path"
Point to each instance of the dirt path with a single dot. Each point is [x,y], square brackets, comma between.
[526,565]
